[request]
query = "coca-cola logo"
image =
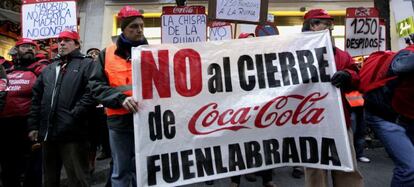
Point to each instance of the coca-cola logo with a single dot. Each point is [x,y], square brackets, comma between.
[210,118]
[183,10]
[218,24]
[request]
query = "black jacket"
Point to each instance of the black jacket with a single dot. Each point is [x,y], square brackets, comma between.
[60,105]
[105,94]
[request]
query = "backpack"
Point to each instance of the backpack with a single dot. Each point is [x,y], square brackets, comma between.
[374,71]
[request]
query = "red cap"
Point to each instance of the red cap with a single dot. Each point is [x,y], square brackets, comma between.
[69,34]
[317,14]
[245,35]
[26,41]
[128,11]
[40,56]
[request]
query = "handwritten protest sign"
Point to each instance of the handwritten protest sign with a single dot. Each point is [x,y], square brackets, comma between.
[186,24]
[46,19]
[250,11]
[220,31]
[362,31]
[219,109]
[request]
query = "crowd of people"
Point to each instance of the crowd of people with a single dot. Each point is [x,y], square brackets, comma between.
[56,111]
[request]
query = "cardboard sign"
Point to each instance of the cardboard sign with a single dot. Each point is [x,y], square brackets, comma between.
[243,11]
[220,31]
[187,24]
[41,20]
[219,109]
[361,31]
[403,12]
[405,27]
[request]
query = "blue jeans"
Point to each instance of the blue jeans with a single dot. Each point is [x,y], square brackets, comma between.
[398,145]
[359,129]
[121,140]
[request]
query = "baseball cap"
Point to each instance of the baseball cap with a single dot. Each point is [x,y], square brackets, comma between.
[317,14]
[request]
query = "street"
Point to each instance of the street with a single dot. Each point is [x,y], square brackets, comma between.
[378,173]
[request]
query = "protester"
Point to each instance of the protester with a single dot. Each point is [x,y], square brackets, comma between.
[16,99]
[356,101]
[111,82]
[93,52]
[58,117]
[53,51]
[389,111]
[99,136]
[346,78]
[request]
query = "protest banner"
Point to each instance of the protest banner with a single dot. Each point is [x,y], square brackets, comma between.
[183,24]
[362,31]
[219,109]
[42,19]
[403,12]
[220,31]
[241,11]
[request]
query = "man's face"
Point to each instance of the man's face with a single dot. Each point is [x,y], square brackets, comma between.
[94,53]
[324,24]
[66,46]
[26,51]
[135,30]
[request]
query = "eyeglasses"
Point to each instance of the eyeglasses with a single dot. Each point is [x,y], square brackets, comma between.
[329,25]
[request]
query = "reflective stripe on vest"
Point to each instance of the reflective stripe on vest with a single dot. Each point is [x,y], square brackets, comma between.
[355,99]
[119,74]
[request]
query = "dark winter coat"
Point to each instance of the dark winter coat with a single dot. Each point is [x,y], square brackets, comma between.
[60,104]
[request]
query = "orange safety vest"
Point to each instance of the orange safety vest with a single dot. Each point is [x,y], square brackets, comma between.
[355,99]
[119,74]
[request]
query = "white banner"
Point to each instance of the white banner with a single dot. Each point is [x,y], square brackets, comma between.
[219,109]
[48,19]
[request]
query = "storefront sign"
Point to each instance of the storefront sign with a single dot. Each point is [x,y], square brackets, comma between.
[219,109]
[250,11]
[220,31]
[186,24]
[362,31]
[47,18]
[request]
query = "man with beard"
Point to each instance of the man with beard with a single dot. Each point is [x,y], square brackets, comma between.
[59,113]
[111,84]
[13,116]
